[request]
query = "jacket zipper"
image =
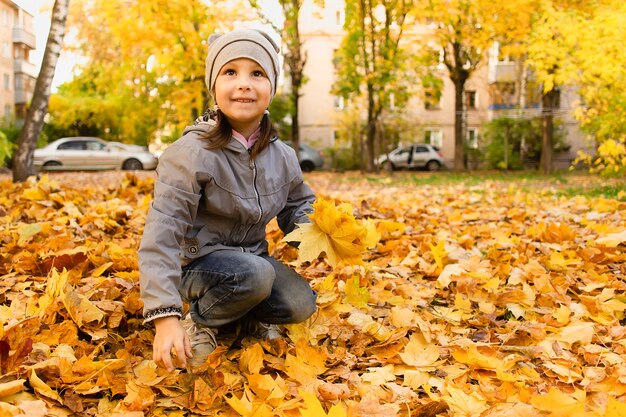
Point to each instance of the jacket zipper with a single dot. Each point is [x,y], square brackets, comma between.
[258,199]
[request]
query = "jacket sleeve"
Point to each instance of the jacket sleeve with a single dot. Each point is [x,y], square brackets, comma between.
[299,204]
[177,193]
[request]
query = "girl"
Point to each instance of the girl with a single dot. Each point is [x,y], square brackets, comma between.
[218,186]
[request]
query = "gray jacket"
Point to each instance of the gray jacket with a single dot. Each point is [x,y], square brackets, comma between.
[208,200]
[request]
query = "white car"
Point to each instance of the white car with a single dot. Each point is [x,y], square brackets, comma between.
[90,153]
[414,156]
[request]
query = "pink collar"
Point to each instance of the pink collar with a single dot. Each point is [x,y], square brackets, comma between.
[250,141]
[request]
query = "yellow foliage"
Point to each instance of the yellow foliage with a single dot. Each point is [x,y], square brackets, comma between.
[526,299]
[334,231]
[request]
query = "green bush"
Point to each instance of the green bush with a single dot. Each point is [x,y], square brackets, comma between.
[342,159]
[523,138]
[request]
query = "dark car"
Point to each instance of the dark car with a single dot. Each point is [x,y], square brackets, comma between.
[91,153]
[414,156]
[310,158]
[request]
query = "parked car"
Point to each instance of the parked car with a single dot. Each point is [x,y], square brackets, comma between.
[310,158]
[414,156]
[90,153]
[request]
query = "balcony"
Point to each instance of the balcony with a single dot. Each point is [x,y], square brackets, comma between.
[502,72]
[23,96]
[21,35]
[22,66]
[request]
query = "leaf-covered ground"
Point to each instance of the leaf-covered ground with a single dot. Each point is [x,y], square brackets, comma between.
[483,297]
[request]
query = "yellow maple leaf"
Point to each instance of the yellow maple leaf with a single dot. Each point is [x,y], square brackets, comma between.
[267,388]
[307,364]
[41,387]
[333,231]
[27,231]
[474,358]
[467,405]
[248,406]
[81,310]
[612,240]
[439,253]
[560,404]
[251,360]
[355,294]
[419,353]
[12,387]
[576,331]
[314,407]
[615,408]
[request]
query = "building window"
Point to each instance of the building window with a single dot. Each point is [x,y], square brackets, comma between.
[6,50]
[7,82]
[470,100]
[472,138]
[339,17]
[19,82]
[433,137]
[338,103]
[8,110]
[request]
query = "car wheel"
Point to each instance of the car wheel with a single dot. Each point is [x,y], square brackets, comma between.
[433,166]
[307,166]
[132,165]
[51,164]
[387,166]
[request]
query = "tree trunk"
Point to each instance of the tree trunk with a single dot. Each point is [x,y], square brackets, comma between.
[371,130]
[295,59]
[23,160]
[548,102]
[295,116]
[459,140]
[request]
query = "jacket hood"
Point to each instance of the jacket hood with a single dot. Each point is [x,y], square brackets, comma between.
[203,124]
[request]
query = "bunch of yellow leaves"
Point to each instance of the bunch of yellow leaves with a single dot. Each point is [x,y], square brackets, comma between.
[335,232]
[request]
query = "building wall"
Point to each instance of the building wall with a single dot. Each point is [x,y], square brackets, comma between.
[322,33]
[321,30]
[7,77]
[17,72]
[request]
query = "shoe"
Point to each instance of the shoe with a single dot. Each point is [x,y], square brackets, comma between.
[260,329]
[203,341]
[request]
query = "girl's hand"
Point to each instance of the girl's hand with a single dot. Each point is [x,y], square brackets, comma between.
[170,334]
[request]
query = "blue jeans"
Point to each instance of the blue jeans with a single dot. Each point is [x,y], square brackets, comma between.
[225,286]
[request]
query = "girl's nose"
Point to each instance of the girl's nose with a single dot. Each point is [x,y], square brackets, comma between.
[243,84]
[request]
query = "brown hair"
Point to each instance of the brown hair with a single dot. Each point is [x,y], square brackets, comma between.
[220,135]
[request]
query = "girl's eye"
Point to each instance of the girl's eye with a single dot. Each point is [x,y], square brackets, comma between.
[258,74]
[229,72]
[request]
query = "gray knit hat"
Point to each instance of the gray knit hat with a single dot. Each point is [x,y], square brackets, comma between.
[242,43]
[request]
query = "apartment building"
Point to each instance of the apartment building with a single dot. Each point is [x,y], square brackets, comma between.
[488,93]
[17,73]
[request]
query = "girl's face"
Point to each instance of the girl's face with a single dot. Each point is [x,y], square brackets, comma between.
[243,92]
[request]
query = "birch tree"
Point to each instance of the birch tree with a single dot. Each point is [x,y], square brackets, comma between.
[23,159]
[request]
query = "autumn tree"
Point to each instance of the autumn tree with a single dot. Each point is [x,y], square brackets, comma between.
[600,75]
[23,159]
[145,64]
[294,55]
[461,29]
[563,42]
[370,61]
